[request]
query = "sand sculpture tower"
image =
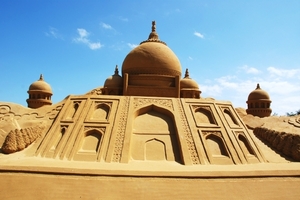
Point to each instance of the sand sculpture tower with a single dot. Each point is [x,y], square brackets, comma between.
[188,87]
[259,103]
[113,85]
[40,93]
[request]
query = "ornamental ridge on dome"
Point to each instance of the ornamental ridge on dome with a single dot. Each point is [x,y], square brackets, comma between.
[153,36]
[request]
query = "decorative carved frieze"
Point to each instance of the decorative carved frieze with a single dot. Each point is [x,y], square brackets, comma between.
[121,130]
[139,102]
[188,136]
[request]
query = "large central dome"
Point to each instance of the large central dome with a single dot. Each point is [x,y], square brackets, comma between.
[152,57]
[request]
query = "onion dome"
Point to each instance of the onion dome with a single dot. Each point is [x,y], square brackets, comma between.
[152,57]
[40,86]
[40,93]
[258,94]
[259,103]
[187,82]
[113,85]
[188,87]
[114,81]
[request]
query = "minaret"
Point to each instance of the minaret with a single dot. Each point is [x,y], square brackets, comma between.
[188,87]
[40,93]
[259,103]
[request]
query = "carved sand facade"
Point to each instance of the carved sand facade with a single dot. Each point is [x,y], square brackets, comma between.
[146,134]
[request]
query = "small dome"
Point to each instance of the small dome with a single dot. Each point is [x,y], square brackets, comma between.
[114,81]
[40,86]
[152,57]
[258,94]
[187,82]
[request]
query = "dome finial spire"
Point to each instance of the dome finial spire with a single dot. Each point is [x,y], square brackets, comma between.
[257,87]
[153,35]
[41,77]
[187,74]
[116,70]
[153,26]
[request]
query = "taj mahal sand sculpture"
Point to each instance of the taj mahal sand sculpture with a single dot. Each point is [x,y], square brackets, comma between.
[147,134]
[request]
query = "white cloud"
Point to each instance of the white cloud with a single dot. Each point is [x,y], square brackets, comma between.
[211,90]
[283,72]
[132,45]
[123,19]
[250,70]
[226,82]
[53,32]
[190,58]
[198,34]
[83,38]
[284,91]
[106,26]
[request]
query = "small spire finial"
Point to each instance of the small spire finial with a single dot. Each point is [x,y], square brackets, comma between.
[257,87]
[187,75]
[116,70]
[41,77]
[153,26]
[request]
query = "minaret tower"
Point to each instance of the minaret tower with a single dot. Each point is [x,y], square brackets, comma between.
[259,103]
[40,93]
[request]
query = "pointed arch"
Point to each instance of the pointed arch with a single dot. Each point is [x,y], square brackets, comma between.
[204,115]
[154,136]
[101,112]
[91,141]
[155,149]
[229,117]
[245,145]
[216,146]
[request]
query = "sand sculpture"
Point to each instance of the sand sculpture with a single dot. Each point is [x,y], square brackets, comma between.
[145,134]
[259,103]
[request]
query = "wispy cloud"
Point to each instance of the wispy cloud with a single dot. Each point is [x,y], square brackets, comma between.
[250,70]
[190,58]
[283,72]
[53,32]
[281,84]
[170,12]
[106,26]
[84,38]
[132,45]
[199,34]
[123,19]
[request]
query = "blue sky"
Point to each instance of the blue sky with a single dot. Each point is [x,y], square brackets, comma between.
[228,46]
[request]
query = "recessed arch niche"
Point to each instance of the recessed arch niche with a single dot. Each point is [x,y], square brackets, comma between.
[247,149]
[216,150]
[73,110]
[204,115]
[101,112]
[89,145]
[154,137]
[230,118]
[58,138]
